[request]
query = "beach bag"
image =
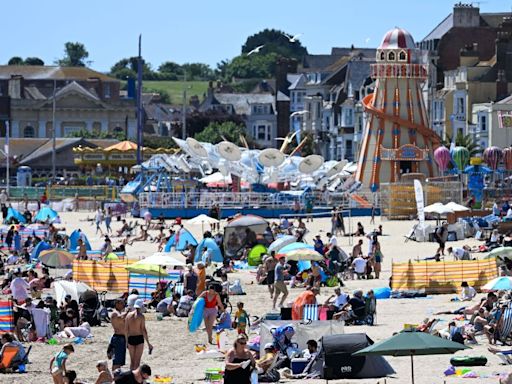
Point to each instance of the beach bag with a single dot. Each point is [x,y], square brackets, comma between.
[236,288]
[271,376]
[332,281]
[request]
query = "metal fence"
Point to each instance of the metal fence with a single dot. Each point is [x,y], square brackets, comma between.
[398,200]
[60,192]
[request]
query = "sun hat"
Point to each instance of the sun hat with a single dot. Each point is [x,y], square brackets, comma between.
[269,346]
[139,303]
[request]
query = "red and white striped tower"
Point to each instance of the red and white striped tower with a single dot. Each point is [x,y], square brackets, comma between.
[397,136]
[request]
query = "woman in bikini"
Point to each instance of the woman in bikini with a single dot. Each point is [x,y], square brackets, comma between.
[212,304]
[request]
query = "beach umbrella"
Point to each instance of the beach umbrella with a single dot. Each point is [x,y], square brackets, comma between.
[442,157]
[411,344]
[460,156]
[304,254]
[56,258]
[202,219]
[280,242]
[500,252]
[73,288]
[498,284]
[155,264]
[111,257]
[493,156]
[438,208]
[507,158]
[456,207]
[246,221]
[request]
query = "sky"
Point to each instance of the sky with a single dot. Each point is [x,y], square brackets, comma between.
[206,31]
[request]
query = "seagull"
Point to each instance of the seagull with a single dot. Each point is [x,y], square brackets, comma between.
[255,50]
[292,39]
[297,113]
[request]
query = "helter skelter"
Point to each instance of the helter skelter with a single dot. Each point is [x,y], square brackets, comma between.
[397,136]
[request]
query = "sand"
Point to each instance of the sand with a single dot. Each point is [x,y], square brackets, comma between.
[174,354]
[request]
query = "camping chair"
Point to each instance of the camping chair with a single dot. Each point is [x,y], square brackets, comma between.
[8,356]
[505,357]
[310,312]
[179,288]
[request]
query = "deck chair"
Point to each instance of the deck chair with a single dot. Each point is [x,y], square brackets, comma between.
[310,312]
[504,327]
[8,356]
[179,288]
[505,357]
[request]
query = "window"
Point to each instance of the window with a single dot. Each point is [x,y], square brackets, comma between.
[106,90]
[402,56]
[300,97]
[391,56]
[260,109]
[68,130]
[459,102]
[483,122]
[262,132]
[29,132]
[349,117]
[382,56]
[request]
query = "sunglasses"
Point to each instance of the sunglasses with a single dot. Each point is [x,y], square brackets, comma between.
[242,342]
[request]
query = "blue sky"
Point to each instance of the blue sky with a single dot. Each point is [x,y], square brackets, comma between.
[206,30]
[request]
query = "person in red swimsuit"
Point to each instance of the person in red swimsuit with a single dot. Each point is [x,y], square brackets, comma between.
[212,304]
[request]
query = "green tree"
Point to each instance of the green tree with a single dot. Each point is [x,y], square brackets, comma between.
[254,66]
[84,133]
[215,132]
[159,142]
[164,95]
[74,55]
[198,71]
[275,41]
[465,141]
[15,60]
[170,70]
[127,68]
[33,61]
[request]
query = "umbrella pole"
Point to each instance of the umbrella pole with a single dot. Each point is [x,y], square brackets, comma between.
[412,369]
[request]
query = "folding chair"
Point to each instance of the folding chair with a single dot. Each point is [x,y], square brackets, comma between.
[310,312]
[504,329]
[179,288]
[8,356]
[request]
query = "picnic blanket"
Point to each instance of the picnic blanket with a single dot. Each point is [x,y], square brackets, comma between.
[442,277]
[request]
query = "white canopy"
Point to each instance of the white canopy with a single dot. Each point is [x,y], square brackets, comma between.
[163,259]
[456,207]
[73,288]
[202,219]
[438,208]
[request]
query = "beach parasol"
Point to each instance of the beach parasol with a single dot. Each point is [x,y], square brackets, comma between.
[56,258]
[155,264]
[202,219]
[73,288]
[411,344]
[438,208]
[111,257]
[442,157]
[500,252]
[498,284]
[280,242]
[292,247]
[302,254]
[456,207]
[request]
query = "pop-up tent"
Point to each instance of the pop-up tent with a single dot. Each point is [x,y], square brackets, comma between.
[14,214]
[337,362]
[180,240]
[73,240]
[235,232]
[46,213]
[255,255]
[40,247]
[211,245]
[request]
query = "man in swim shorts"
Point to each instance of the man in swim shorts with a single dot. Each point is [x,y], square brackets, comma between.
[117,346]
[136,333]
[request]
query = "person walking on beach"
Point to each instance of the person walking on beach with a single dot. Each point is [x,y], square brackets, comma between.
[270,266]
[441,235]
[99,219]
[117,346]
[136,333]
[279,285]
[108,220]
[212,304]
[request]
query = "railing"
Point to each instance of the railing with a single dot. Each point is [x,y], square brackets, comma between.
[60,192]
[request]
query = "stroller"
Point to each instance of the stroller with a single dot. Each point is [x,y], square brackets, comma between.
[283,341]
[92,310]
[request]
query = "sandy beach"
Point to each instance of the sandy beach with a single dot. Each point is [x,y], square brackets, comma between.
[174,354]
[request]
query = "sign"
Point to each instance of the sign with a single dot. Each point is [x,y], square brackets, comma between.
[420,205]
[407,152]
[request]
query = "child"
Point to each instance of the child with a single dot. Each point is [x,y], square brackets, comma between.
[58,364]
[241,319]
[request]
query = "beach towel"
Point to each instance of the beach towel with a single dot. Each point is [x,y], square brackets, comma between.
[42,322]
[6,317]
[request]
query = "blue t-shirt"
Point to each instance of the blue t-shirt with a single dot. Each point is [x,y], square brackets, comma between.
[279,272]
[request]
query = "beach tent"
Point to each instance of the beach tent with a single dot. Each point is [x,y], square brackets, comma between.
[73,240]
[41,246]
[235,231]
[254,256]
[180,240]
[13,213]
[44,213]
[73,288]
[335,359]
[211,245]
[280,242]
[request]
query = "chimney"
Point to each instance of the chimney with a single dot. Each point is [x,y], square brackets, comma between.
[504,48]
[210,89]
[15,86]
[283,67]
[466,16]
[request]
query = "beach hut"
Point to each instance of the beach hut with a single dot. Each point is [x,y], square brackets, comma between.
[180,240]
[73,240]
[41,246]
[44,213]
[14,214]
[211,245]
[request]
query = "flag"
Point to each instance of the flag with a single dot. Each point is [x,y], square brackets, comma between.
[418,191]
[7,134]
[504,119]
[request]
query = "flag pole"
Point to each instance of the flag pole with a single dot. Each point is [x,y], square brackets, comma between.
[139,103]
[7,165]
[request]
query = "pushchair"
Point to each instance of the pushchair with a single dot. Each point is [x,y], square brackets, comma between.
[282,340]
[92,310]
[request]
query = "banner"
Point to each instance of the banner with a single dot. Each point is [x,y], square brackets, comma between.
[420,205]
[504,119]
[442,277]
